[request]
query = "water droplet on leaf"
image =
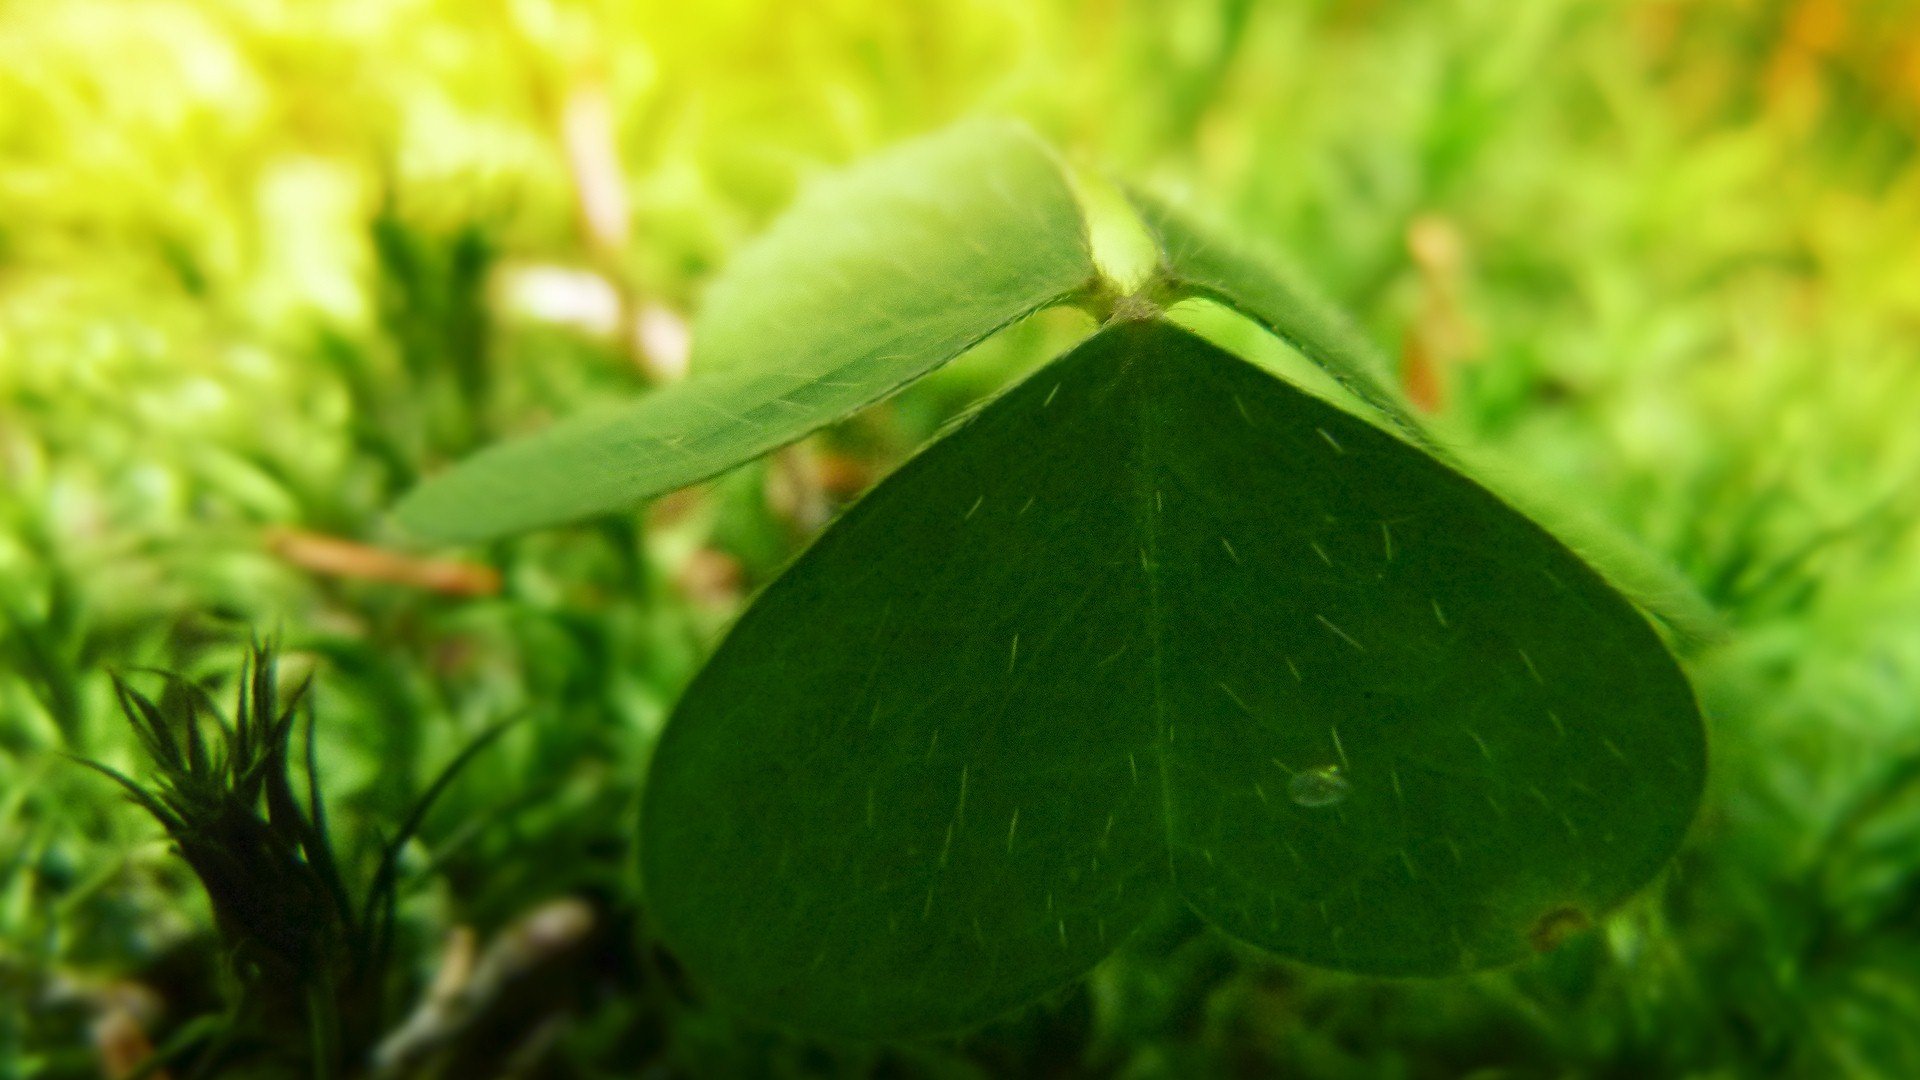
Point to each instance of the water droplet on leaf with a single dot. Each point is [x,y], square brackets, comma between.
[1323,786]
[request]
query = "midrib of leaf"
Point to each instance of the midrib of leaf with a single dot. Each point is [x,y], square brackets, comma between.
[1147,493]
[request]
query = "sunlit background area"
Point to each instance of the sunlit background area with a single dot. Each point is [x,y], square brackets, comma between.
[263,265]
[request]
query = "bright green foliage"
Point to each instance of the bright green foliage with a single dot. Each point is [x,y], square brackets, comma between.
[1154,627]
[1686,293]
[871,281]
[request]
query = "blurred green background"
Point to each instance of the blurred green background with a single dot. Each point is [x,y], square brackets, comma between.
[263,264]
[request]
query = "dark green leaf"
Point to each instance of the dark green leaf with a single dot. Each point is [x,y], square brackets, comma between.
[871,281]
[1156,627]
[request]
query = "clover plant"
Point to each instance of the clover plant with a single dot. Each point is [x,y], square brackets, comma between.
[1155,626]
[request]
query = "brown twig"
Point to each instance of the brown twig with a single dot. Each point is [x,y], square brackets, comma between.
[335,557]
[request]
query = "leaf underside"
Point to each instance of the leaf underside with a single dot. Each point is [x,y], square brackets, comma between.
[1255,283]
[1156,627]
[871,280]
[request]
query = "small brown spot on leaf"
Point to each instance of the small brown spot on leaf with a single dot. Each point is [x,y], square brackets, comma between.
[1550,931]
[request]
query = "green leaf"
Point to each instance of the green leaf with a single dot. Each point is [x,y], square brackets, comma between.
[1156,627]
[871,280]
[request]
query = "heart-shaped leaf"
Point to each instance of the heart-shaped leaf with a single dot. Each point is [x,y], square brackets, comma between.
[1157,627]
[871,280]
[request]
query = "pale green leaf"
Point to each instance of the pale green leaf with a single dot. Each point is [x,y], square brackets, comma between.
[1200,261]
[874,278]
[1155,628]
